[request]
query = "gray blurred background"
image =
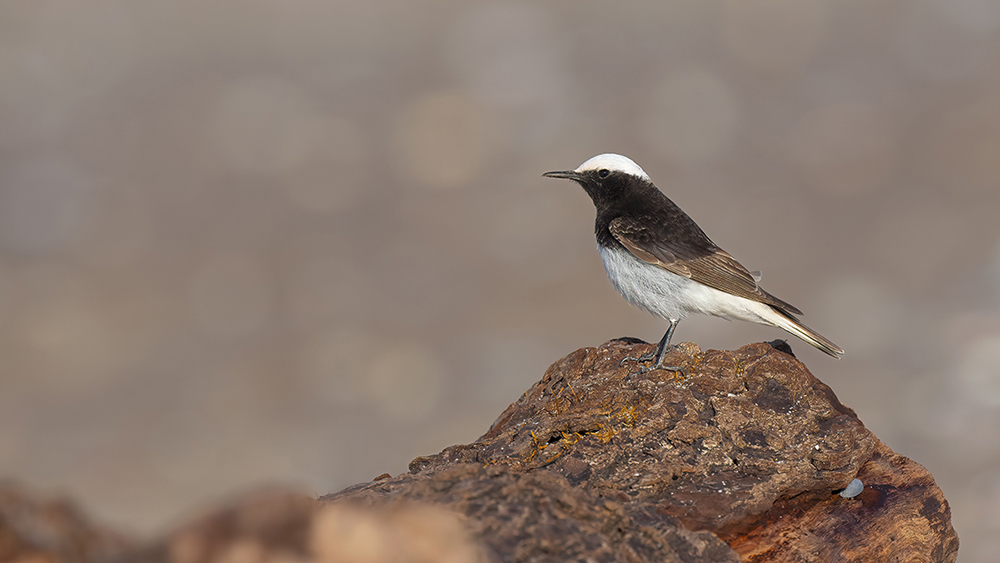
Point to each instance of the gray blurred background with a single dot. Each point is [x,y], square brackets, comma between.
[304,242]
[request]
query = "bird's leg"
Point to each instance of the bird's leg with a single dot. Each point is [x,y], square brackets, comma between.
[661,350]
[656,354]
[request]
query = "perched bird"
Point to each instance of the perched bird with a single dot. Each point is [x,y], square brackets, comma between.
[661,261]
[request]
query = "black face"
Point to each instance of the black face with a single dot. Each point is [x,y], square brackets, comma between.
[603,185]
[617,193]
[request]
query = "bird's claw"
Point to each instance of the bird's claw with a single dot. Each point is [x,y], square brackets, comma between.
[650,367]
[647,357]
[654,367]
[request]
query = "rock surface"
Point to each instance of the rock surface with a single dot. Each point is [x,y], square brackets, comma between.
[739,459]
[40,531]
[284,527]
[747,447]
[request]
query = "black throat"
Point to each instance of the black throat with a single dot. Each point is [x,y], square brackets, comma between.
[625,195]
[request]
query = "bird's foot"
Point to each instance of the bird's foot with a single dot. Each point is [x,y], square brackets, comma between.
[651,357]
[647,357]
[654,367]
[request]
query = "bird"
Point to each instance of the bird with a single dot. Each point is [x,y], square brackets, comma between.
[661,261]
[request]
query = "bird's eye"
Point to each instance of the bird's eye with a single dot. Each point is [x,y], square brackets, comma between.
[603,172]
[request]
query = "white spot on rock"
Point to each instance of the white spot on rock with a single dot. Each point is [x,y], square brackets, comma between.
[853,489]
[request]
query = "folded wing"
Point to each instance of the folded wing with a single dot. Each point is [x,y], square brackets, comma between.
[709,265]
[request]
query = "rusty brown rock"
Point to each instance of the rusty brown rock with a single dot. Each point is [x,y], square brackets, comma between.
[284,527]
[743,440]
[740,458]
[540,516]
[265,525]
[900,511]
[45,530]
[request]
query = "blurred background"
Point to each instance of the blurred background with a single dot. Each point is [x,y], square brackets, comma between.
[304,242]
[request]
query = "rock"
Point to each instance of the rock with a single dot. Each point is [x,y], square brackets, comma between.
[278,526]
[540,516]
[741,458]
[900,515]
[42,531]
[270,525]
[747,447]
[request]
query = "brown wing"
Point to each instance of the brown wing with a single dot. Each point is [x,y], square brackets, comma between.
[710,265]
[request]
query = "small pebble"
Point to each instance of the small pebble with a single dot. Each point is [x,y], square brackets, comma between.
[853,489]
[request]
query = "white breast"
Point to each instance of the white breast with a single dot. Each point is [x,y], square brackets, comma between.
[673,297]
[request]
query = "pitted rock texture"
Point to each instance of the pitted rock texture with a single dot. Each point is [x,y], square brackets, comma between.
[712,447]
[540,516]
[738,459]
[746,444]
[899,516]
[283,527]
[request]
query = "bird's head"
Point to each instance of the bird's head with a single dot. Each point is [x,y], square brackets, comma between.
[605,177]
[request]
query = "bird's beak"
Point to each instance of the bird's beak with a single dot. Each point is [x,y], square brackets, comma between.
[567,174]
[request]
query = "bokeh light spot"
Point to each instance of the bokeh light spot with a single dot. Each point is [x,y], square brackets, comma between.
[506,53]
[42,204]
[441,141]
[940,47]
[979,370]
[405,380]
[692,116]
[230,296]
[844,149]
[774,35]
[860,314]
[265,125]
[333,365]
[963,150]
[334,170]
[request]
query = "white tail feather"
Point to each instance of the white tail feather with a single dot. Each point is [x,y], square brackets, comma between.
[793,326]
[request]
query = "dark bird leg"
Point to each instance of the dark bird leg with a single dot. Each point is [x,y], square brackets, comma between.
[661,350]
[664,345]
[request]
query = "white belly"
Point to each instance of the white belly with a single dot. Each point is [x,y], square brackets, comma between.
[673,297]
